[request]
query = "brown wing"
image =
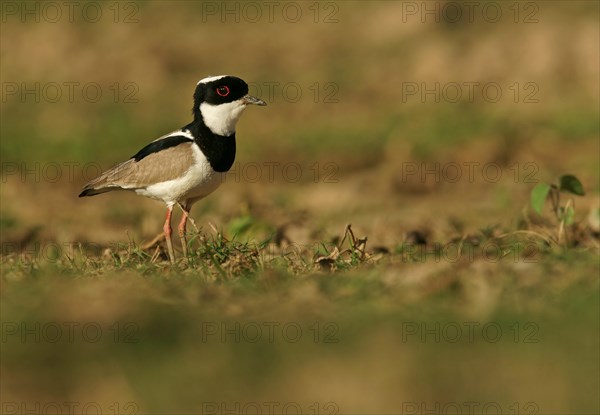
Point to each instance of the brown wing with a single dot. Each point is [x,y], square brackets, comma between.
[166,164]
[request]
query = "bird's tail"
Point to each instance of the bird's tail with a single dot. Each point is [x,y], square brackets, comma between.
[90,191]
[107,181]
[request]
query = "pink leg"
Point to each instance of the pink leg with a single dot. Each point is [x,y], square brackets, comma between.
[182,227]
[168,231]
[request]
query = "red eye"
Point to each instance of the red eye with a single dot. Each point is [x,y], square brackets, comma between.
[223,91]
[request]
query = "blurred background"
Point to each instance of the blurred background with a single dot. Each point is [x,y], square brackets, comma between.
[414,121]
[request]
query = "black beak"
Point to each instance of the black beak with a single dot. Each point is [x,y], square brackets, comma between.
[250,100]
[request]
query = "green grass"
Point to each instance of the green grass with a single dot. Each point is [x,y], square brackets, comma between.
[180,323]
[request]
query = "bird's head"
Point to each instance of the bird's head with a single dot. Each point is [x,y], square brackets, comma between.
[220,100]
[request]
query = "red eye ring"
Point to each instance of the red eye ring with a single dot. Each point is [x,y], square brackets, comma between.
[223,91]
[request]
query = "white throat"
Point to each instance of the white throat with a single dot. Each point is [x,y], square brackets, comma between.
[221,119]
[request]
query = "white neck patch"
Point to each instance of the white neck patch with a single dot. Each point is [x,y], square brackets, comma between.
[221,119]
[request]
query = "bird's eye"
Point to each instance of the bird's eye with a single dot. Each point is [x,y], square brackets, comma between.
[223,91]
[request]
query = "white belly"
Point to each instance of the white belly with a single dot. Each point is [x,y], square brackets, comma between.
[199,181]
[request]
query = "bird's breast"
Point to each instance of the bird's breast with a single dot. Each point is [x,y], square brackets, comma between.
[197,182]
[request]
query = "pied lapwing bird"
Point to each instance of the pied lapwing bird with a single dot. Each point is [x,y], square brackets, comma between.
[186,165]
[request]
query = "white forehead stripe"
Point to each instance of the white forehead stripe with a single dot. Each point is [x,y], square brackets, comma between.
[210,79]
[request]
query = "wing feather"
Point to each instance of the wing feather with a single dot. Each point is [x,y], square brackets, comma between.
[160,166]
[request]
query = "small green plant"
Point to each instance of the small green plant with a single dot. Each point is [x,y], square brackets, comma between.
[565,214]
